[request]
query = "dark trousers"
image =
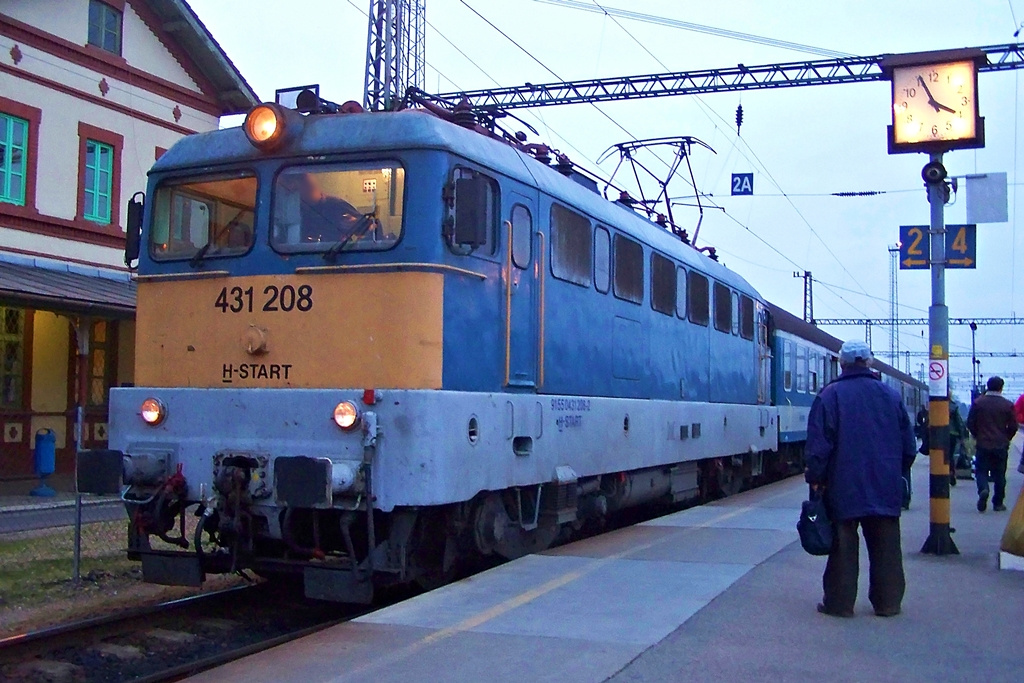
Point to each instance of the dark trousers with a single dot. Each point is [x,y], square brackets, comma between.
[991,464]
[886,580]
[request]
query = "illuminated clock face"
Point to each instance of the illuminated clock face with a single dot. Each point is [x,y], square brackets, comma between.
[934,103]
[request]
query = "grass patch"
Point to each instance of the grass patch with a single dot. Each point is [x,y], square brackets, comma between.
[36,566]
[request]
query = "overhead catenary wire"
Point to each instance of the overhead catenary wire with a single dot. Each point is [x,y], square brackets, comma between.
[699,28]
[752,152]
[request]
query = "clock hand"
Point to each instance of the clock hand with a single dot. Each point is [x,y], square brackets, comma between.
[931,99]
[942,106]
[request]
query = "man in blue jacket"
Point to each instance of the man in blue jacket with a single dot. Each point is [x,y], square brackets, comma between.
[859,442]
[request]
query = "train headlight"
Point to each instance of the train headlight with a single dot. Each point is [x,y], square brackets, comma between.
[153,411]
[346,415]
[265,125]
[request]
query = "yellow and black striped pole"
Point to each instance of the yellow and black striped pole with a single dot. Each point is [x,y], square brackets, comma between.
[939,541]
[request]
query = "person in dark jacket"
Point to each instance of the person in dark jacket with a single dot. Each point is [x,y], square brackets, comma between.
[992,423]
[860,440]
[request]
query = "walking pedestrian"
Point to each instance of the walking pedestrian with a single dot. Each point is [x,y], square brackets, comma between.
[859,442]
[992,424]
[957,432]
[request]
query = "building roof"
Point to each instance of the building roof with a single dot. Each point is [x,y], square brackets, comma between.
[233,92]
[59,287]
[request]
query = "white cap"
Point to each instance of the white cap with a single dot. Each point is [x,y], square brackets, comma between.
[853,350]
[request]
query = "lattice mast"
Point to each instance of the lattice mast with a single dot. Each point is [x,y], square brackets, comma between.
[894,304]
[395,51]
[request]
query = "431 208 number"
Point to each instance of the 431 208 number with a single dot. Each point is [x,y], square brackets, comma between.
[285,298]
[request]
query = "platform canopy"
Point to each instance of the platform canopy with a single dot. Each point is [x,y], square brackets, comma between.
[67,289]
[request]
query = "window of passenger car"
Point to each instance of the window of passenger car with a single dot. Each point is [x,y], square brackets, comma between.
[663,284]
[602,259]
[681,293]
[787,365]
[746,317]
[571,246]
[628,269]
[723,308]
[207,216]
[812,372]
[522,236]
[338,207]
[801,368]
[697,298]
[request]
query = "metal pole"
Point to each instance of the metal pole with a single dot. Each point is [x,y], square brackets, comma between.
[939,542]
[82,327]
[974,363]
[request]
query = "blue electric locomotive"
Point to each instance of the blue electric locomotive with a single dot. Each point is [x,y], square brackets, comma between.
[371,344]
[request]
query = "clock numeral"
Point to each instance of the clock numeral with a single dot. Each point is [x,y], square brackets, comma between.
[933,77]
[910,92]
[910,118]
[949,125]
[964,100]
[935,131]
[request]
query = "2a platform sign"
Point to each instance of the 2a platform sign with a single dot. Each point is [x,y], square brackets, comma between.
[961,247]
[742,183]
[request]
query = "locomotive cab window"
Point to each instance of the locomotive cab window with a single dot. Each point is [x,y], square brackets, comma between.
[204,217]
[746,317]
[663,284]
[571,246]
[602,259]
[628,269]
[333,208]
[697,301]
[723,308]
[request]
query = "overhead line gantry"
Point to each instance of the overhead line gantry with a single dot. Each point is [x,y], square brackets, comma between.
[828,71]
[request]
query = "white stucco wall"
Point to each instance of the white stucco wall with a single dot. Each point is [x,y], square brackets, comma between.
[34,244]
[67,19]
[144,51]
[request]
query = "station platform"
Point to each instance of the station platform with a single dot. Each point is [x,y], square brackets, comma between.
[21,511]
[721,592]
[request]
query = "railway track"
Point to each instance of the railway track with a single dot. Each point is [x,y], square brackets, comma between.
[168,641]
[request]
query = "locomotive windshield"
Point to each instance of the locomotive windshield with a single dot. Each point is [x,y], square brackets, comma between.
[203,217]
[350,207]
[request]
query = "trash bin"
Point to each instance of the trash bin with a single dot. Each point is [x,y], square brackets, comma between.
[44,461]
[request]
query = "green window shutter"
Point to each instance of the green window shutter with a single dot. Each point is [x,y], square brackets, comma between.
[13,159]
[99,171]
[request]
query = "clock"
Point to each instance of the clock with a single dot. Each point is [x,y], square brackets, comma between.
[935,106]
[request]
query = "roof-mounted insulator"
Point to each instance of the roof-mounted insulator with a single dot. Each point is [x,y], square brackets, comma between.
[462,115]
[661,220]
[563,165]
[625,199]
[739,117]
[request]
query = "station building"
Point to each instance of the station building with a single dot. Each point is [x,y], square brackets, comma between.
[91,93]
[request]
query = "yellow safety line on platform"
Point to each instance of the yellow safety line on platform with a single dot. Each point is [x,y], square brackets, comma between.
[528,596]
[386,266]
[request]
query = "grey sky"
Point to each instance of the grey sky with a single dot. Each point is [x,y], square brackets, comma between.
[806,141]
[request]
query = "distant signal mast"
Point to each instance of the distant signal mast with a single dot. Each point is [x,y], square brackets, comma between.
[395,51]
